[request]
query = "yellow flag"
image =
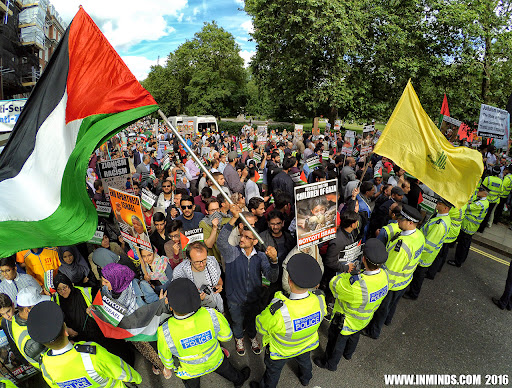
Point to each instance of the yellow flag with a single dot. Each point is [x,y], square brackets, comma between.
[413,141]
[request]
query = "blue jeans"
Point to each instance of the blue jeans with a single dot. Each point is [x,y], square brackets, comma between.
[243,316]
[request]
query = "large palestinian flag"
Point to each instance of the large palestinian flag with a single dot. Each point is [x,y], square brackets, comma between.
[85,96]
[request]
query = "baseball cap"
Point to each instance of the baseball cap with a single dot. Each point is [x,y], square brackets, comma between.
[232,156]
[397,190]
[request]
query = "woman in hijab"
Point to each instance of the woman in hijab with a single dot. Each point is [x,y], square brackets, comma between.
[74,302]
[74,266]
[118,282]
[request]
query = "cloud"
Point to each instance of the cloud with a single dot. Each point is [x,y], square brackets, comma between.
[139,66]
[247,26]
[239,2]
[246,56]
[126,23]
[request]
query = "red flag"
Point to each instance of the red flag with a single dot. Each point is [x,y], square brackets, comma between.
[256,177]
[444,108]
[420,198]
[174,177]
[303,177]
[184,241]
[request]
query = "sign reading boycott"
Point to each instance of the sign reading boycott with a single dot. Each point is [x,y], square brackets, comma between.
[128,213]
[114,174]
[493,122]
[10,110]
[315,207]
[352,253]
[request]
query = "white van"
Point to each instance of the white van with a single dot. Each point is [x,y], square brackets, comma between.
[194,124]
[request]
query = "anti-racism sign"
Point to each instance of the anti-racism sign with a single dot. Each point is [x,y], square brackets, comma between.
[315,207]
[493,122]
[114,173]
[10,110]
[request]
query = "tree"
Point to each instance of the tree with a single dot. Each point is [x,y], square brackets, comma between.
[301,49]
[203,76]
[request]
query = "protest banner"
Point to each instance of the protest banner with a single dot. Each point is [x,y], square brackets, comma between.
[128,213]
[147,198]
[10,110]
[368,128]
[103,208]
[325,155]
[194,235]
[337,125]
[298,131]
[315,211]
[352,253]
[162,147]
[166,162]
[366,149]
[493,122]
[98,235]
[346,149]
[428,203]
[114,173]
[350,134]
[314,162]
[11,367]
[262,134]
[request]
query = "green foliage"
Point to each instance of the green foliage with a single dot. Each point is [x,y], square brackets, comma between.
[231,127]
[202,76]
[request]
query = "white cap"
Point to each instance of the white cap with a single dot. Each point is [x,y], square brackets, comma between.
[30,296]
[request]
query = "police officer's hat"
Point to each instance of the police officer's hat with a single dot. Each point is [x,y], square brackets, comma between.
[443,200]
[374,251]
[304,271]
[45,322]
[483,188]
[410,213]
[496,170]
[183,296]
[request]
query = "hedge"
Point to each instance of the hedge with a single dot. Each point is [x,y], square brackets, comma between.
[235,128]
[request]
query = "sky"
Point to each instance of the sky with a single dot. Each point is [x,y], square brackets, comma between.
[145,32]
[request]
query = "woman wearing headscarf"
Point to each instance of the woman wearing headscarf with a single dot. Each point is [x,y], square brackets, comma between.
[74,302]
[74,266]
[119,282]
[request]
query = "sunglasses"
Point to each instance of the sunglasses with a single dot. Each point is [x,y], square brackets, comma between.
[187,206]
[166,185]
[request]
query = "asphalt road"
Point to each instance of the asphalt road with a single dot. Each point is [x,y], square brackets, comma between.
[453,328]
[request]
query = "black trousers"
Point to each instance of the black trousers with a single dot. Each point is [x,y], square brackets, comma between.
[417,281]
[462,250]
[499,210]
[225,369]
[484,223]
[339,345]
[274,367]
[506,298]
[440,259]
[385,312]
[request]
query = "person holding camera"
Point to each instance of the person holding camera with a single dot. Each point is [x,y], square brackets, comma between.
[204,272]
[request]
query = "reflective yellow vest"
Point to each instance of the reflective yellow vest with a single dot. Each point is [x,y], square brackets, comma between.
[86,292]
[20,336]
[87,364]
[493,183]
[435,232]
[290,326]
[391,229]
[456,217]
[475,214]
[357,297]
[194,341]
[403,256]
[506,187]
[6,383]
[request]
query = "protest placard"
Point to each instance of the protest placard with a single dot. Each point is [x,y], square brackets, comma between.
[315,211]
[147,198]
[368,128]
[314,162]
[337,125]
[103,208]
[13,368]
[194,235]
[352,253]
[114,173]
[428,204]
[98,235]
[262,134]
[493,122]
[346,149]
[162,147]
[10,110]
[350,134]
[325,155]
[128,213]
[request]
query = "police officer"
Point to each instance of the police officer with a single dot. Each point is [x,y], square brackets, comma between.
[506,188]
[357,298]
[31,349]
[493,183]
[188,342]
[435,232]
[290,325]
[83,364]
[404,251]
[475,214]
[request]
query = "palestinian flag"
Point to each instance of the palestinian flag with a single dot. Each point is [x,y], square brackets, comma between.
[84,97]
[303,177]
[444,110]
[257,177]
[152,174]
[184,240]
[141,325]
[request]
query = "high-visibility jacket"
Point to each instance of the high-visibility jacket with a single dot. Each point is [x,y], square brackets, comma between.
[404,252]
[21,337]
[506,187]
[87,364]
[392,229]
[6,383]
[475,214]
[435,232]
[456,217]
[290,326]
[358,296]
[493,183]
[86,292]
[194,341]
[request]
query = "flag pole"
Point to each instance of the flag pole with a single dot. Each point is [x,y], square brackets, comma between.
[209,175]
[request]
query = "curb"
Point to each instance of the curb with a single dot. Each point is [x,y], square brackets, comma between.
[492,245]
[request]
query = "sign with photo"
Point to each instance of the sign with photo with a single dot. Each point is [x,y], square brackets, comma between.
[315,212]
